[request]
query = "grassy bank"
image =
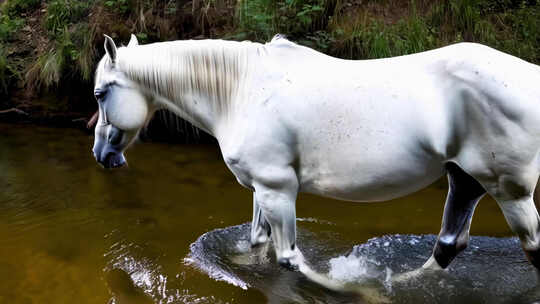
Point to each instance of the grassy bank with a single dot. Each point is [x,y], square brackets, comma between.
[49,48]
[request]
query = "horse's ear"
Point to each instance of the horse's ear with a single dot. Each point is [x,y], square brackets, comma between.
[133,41]
[110,48]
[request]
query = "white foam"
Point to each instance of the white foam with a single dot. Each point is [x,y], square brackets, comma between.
[352,268]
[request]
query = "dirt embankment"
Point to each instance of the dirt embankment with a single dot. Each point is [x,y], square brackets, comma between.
[49,48]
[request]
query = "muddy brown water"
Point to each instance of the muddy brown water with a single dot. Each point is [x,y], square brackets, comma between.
[72,232]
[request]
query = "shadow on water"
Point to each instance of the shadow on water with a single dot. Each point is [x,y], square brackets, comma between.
[491,270]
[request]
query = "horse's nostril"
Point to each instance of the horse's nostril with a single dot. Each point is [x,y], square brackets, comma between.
[113,160]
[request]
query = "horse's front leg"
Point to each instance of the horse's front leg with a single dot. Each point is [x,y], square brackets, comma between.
[260,229]
[277,199]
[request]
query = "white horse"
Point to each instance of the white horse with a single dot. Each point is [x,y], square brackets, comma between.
[290,119]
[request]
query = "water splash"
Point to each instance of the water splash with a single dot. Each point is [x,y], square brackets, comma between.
[491,270]
[134,278]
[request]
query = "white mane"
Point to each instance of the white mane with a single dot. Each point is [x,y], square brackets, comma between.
[214,70]
[185,73]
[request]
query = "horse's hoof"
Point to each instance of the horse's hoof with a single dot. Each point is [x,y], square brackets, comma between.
[261,239]
[258,244]
[286,263]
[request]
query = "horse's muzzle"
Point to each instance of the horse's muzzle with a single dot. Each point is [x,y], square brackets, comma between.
[114,160]
[110,158]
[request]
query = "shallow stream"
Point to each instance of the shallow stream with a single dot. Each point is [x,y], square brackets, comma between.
[72,232]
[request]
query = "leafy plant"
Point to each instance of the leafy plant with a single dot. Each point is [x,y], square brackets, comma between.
[262,19]
[8,73]
[14,8]
[121,6]
[61,13]
[60,62]
[8,26]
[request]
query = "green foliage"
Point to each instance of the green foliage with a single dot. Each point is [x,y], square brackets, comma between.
[14,8]
[371,38]
[336,27]
[320,40]
[82,51]
[8,26]
[485,32]
[512,26]
[262,19]
[509,25]
[61,13]
[521,31]
[72,51]
[72,56]
[455,15]
[256,19]
[48,69]
[413,35]
[142,38]
[7,73]
[500,6]
[121,6]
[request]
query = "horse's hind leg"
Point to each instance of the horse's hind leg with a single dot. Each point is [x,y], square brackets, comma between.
[514,195]
[464,192]
[522,216]
[260,229]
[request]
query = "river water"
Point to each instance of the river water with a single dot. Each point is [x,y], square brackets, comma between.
[165,230]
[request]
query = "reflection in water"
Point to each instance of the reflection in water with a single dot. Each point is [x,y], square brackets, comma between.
[71,232]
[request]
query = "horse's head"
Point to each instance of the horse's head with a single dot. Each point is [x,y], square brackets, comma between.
[123,109]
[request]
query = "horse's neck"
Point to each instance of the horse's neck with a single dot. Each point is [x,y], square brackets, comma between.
[201,84]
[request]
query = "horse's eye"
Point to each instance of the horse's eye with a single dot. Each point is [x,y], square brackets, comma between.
[99,94]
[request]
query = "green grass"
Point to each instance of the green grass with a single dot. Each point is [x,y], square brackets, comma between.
[17,7]
[62,13]
[8,72]
[46,71]
[506,25]
[4,72]
[8,26]
[61,62]
[260,20]
[85,52]
[518,33]
[72,51]
[10,23]
[366,38]
[121,6]
[512,26]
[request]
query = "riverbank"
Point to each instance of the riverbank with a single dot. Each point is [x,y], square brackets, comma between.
[49,48]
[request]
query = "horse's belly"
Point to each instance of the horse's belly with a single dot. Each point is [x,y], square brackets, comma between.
[371,149]
[371,178]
